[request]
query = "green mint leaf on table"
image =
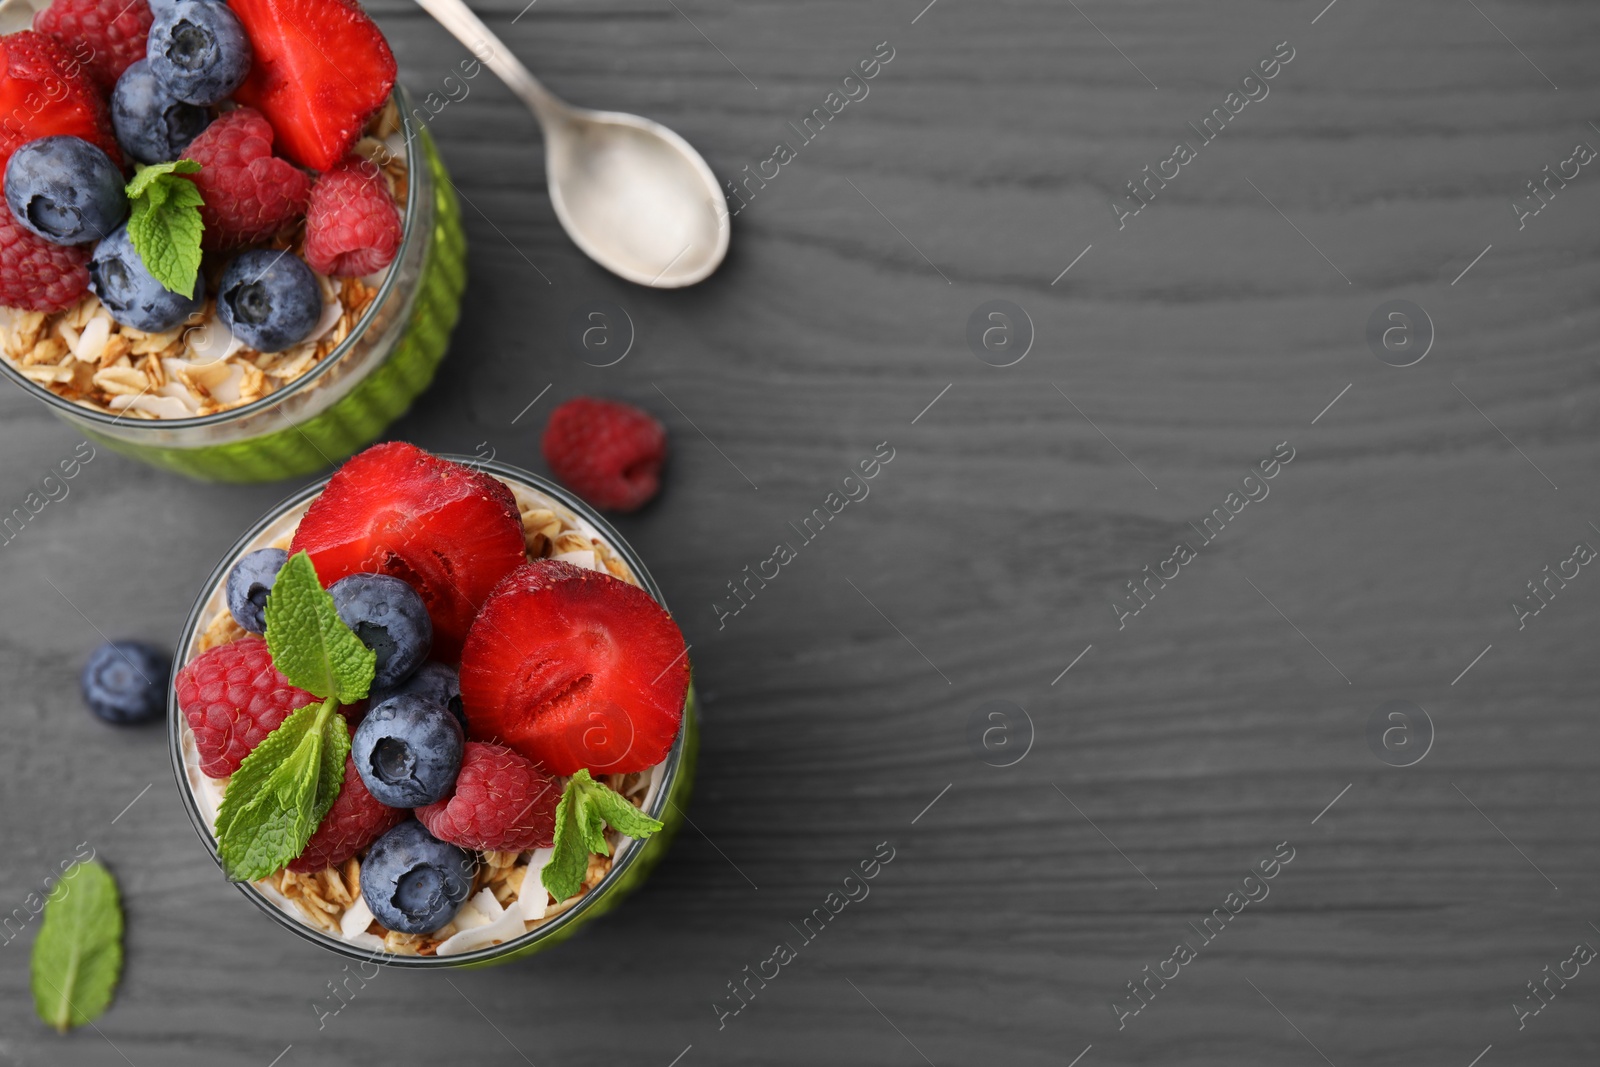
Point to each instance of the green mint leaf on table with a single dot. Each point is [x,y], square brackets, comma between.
[310,644]
[586,809]
[281,791]
[77,956]
[164,223]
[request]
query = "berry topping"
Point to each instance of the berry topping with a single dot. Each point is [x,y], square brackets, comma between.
[269,299]
[413,882]
[36,275]
[502,802]
[352,224]
[354,822]
[408,751]
[248,585]
[232,697]
[45,90]
[125,682]
[131,294]
[390,618]
[448,532]
[152,125]
[250,194]
[607,452]
[199,50]
[322,68]
[574,668]
[111,32]
[65,190]
[436,683]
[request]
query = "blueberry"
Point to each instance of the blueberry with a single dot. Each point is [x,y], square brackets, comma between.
[270,300]
[413,882]
[407,751]
[248,585]
[125,682]
[390,618]
[153,126]
[65,190]
[435,682]
[199,50]
[132,296]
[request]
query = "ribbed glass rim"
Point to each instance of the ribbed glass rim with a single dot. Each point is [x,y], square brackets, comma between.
[414,158]
[197,818]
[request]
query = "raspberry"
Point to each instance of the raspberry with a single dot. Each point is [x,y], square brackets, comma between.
[250,193]
[36,275]
[607,452]
[232,697]
[502,802]
[352,225]
[354,822]
[114,32]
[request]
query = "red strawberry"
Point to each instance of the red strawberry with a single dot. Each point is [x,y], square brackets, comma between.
[36,275]
[232,697]
[250,193]
[321,69]
[608,453]
[352,225]
[502,802]
[451,533]
[354,822]
[114,32]
[46,90]
[574,668]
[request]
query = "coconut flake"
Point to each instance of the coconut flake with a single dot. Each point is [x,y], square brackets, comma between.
[162,407]
[211,341]
[92,341]
[331,310]
[355,919]
[583,557]
[533,899]
[506,927]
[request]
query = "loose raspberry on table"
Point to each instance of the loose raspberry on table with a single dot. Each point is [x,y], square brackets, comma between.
[250,193]
[352,224]
[607,452]
[113,33]
[233,697]
[502,802]
[355,821]
[36,275]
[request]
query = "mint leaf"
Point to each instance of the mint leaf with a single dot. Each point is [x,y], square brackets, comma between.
[164,223]
[309,643]
[77,956]
[563,875]
[586,808]
[281,791]
[620,815]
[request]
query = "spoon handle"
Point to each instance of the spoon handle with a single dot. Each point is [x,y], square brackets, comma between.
[464,26]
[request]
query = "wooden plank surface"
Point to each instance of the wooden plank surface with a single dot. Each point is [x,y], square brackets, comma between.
[1178,750]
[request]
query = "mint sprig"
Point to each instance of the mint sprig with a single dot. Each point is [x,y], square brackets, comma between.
[77,957]
[586,809]
[164,223]
[309,643]
[285,786]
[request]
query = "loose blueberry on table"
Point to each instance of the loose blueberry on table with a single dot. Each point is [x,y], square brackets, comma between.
[189,165]
[515,705]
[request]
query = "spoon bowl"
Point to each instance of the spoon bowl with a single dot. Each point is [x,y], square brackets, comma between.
[632,194]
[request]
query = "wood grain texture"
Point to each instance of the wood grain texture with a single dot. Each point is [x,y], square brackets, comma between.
[1217,724]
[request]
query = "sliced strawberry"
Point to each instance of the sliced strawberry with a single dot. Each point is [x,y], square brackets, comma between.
[449,532]
[46,90]
[574,668]
[321,70]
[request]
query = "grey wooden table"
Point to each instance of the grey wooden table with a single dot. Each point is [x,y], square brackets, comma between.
[1141,765]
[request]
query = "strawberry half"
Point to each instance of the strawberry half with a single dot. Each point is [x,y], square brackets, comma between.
[321,70]
[449,532]
[46,90]
[574,668]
